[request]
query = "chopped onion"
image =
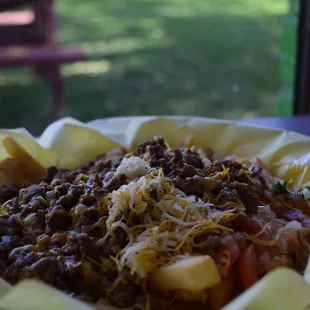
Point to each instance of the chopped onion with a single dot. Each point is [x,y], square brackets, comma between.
[293,225]
[306,193]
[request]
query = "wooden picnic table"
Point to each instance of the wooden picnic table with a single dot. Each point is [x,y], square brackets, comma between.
[28,37]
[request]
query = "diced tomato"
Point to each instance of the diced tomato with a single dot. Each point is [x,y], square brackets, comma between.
[293,215]
[278,207]
[270,262]
[247,265]
[227,255]
[221,293]
[246,224]
[302,205]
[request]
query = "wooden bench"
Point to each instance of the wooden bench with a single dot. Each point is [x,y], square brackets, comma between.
[28,37]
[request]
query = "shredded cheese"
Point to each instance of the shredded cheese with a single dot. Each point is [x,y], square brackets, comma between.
[170,221]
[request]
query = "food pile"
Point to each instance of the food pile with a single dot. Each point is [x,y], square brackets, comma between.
[158,228]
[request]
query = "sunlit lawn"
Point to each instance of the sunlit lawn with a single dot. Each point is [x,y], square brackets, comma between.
[214,58]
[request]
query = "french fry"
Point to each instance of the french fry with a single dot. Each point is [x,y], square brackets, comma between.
[4,288]
[307,272]
[28,166]
[282,288]
[34,295]
[194,273]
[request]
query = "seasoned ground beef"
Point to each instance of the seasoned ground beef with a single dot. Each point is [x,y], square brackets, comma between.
[56,230]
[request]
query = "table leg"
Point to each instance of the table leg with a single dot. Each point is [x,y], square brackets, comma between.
[51,74]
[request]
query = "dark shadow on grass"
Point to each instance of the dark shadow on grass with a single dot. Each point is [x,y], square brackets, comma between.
[205,64]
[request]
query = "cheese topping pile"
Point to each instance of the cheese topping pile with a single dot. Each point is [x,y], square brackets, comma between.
[168,223]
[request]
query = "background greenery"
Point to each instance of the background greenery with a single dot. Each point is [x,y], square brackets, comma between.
[216,58]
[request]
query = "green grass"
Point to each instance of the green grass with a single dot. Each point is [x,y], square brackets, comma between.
[216,58]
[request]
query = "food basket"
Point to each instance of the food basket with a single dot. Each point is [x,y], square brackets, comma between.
[68,143]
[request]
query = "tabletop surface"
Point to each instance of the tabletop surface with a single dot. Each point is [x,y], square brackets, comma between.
[300,124]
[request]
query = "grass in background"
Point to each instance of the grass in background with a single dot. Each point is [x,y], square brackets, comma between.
[215,58]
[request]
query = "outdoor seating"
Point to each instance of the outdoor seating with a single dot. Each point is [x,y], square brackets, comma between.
[28,37]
